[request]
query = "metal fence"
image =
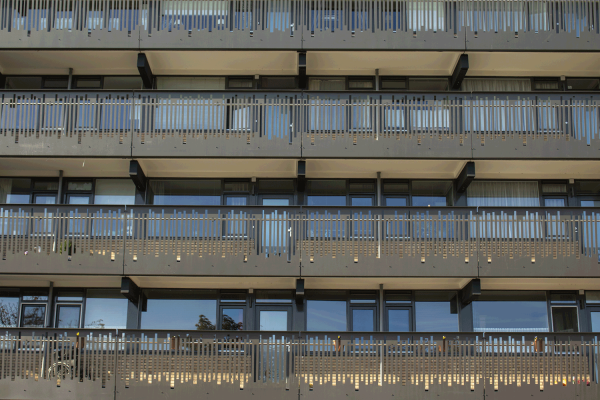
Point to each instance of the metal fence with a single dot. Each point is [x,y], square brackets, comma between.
[151,17]
[133,363]
[273,240]
[289,118]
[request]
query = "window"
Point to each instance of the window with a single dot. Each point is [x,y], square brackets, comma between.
[276,186]
[79,192]
[240,83]
[181,309]
[428,84]
[546,84]
[33,308]
[105,309]
[432,193]
[278,82]
[436,312]
[392,83]
[326,315]
[361,83]
[326,83]
[88,83]
[190,83]
[503,194]
[496,85]
[114,191]
[587,187]
[123,82]
[185,192]
[9,308]
[510,312]
[23,82]
[56,83]
[583,84]
[232,319]
[326,192]
[273,296]
[15,191]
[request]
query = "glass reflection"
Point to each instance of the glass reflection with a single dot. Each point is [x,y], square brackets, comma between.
[233,319]
[68,317]
[595,317]
[363,320]
[398,321]
[105,309]
[273,320]
[436,312]
[34,316]
[564,319]
[9,312]
[326,315]
[184,314]
[502,314]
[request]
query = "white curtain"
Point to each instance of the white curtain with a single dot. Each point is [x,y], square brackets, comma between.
[503,194]
[114,191]
[496,85]
[327,84]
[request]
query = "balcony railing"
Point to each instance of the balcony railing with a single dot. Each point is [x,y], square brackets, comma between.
[300,124]
[132,364]
[323,241]
[295,24]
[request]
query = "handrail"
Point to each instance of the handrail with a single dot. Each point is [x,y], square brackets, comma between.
[287,116]
[254,233]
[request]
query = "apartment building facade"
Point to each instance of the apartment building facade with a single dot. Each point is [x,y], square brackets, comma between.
[299,199]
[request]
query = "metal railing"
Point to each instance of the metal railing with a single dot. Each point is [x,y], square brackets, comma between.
[292,363]
[282,119]
[146,238]
[284,23]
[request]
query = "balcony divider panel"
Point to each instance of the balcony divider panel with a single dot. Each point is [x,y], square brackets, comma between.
[39,239]
[217,240]
[220,124]
[135,364]
[68,123]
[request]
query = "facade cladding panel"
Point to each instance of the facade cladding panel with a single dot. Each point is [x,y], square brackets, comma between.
[186,227]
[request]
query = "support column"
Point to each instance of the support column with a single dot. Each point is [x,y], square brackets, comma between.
[145,71]
[460,71]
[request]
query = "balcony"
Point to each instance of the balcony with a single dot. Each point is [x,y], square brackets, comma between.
[560,25]
[138,364]
[450,125]
[307,241]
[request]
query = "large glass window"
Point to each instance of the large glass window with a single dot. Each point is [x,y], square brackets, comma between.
[326,315]
[510,312]
[14,191]
[326,193]
[185,310]
[496,85]
[114,191]
[503,194]
[9,309]
[326,83]
[432,193]
[105,309]
[190,83]
[185,192]
[123,82]
[436,312]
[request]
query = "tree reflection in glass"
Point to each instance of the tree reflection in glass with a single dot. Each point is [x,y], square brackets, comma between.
[233,319]
[9,312]
[34,316]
